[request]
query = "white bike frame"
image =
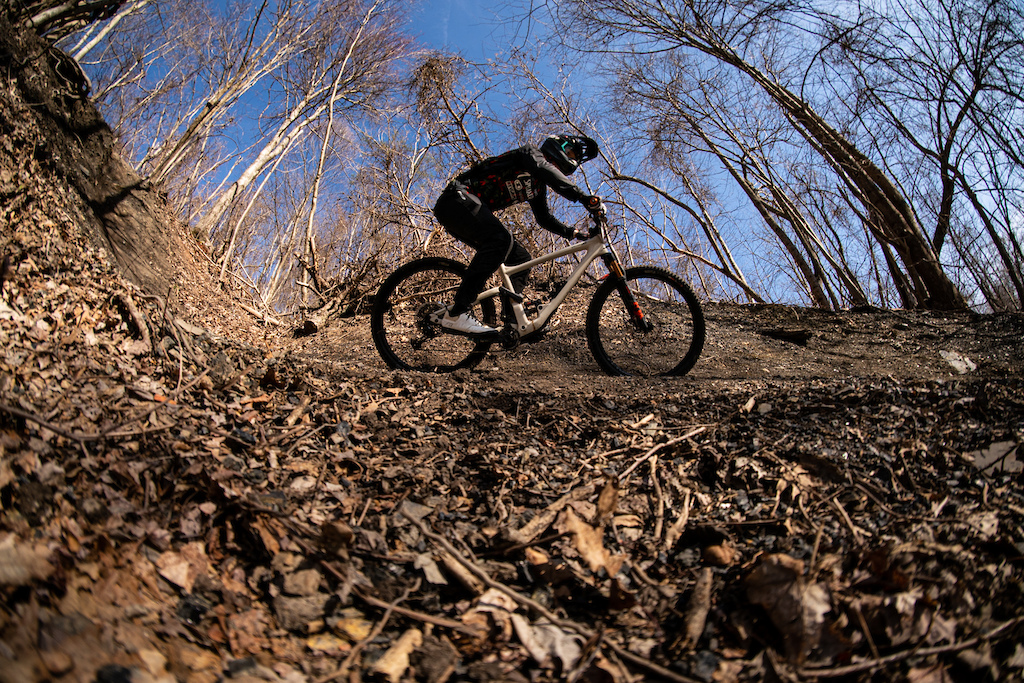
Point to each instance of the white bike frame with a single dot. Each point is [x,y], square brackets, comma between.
[595,248]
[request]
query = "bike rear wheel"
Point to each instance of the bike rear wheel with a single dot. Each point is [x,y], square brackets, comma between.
[667,341]
[404,319]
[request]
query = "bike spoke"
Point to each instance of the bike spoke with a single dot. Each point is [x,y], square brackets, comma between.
[656,328]
[405,323]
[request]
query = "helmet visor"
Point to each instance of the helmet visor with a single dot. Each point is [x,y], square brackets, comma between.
[569,149]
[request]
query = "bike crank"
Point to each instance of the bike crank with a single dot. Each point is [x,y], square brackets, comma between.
[510,339]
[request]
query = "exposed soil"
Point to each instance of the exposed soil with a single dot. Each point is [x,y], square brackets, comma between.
[767,343]
[189,495]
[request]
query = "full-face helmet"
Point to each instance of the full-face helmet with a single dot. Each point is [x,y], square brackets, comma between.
[567,152]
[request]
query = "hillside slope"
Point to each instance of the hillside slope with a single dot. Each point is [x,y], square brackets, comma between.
[185,495]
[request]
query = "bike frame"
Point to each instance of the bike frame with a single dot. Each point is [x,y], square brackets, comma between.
[595,247]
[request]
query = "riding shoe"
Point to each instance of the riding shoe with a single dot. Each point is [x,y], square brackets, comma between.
[464,323]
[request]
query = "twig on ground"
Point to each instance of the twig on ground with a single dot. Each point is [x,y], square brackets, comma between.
[840,671]
[697,609]
[418,616]
[79,436]
[866,630]
[523,546]
[671,442]
[858,533]
[676,530]
[25,415]
[659,519]
[541,610]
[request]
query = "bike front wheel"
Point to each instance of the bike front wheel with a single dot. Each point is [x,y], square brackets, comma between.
[405,319]
[649,324]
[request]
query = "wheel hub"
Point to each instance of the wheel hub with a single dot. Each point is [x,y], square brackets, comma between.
[429,319]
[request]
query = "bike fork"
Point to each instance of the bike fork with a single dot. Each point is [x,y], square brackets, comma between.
[636,312]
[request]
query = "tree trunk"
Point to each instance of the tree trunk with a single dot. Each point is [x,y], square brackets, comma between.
[696,26]
[117,210]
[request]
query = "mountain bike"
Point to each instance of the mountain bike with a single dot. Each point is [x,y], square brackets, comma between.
[642,321]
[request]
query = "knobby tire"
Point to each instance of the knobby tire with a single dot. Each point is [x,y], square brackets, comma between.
[403,333]
[673,344]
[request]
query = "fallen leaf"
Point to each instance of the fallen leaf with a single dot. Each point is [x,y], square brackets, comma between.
[986,523]
[608,500]
[22,563]
[590,544]
[248,631]
[719,555]
[1016,661]
[395,661]
[328,643]
[796,607]
[492,615]
[353,625]
[1000,456]
[305,582]
[184,567]
[929,674]
[431,572]
[628,521]
[336,538]
[546,517]
[536,556]
[548,643]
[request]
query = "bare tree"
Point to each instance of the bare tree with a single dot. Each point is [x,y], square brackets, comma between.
[722,260]
[447,111]
[724,30]
[348,59]
[96,33]
[245,63]
[946,78]
[383,219]
[681,116]
[55,19]
[172,74]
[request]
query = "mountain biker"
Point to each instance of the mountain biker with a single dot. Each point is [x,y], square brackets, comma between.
[465,210]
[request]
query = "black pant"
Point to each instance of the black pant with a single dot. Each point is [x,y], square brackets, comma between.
[468,220]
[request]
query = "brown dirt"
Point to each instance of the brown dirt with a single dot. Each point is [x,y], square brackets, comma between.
[745,343]
[187,494]
[169,501]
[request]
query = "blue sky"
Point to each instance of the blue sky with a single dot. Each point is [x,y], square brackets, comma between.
[469,27]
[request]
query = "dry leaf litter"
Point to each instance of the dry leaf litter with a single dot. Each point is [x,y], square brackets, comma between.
[186,496]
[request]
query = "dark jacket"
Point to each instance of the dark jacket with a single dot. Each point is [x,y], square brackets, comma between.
[521,175]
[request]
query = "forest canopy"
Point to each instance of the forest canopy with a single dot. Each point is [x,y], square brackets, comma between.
[830,154]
